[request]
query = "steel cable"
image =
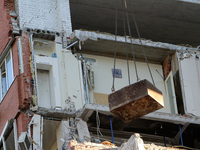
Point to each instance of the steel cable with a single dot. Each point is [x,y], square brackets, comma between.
[130,36]
[115,51]
[137,29]
[125,44]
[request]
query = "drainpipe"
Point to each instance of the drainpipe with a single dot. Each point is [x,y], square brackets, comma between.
[20,55]
[33,67]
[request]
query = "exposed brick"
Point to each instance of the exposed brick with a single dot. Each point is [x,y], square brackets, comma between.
[5,27]
[167,66]
[18,97]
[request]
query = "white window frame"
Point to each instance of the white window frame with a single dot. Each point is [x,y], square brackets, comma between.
[4,60]
[170,77]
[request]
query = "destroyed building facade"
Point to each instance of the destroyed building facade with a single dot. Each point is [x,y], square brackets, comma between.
[56,69]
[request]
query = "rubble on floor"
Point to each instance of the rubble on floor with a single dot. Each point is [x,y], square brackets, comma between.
[155,147]
[74,145]
[135,142]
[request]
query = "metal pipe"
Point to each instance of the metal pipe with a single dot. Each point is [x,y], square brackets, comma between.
[111,129]
[181,134]
[20,55]
[33,65]
[72,44]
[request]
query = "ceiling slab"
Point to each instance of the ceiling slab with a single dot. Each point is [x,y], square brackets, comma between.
[104,44]
[169,21]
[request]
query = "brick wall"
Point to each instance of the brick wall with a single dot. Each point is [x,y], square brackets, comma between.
[15,58]
[17,98]
[5,23]
[167,66]
[9,105]
[53,15]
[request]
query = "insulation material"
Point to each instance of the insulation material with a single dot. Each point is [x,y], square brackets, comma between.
[135,100]
[100,98]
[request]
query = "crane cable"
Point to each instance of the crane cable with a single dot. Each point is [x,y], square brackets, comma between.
[130,36]
[144,53]
[126,18]
[125,45]
[115,51]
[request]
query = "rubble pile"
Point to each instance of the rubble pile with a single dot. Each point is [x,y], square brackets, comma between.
[73,145]
[155,147]
[135,142]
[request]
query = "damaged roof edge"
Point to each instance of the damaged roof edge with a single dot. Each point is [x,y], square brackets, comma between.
[84,35]
[88,109]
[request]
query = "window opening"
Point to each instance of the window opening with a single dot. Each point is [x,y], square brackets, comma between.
[6,75]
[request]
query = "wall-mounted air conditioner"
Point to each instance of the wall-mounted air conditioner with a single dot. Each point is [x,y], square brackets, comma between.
[24,141]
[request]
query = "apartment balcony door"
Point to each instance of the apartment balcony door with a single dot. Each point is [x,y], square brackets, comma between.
[44,95]
[169,83]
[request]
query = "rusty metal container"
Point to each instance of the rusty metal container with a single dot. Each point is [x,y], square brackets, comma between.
[135,100]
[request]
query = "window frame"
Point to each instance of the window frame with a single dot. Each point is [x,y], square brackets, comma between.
[12,74]
[172,100]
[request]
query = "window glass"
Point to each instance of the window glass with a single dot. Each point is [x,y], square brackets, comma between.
[3,79]
[9,70]
[6,75]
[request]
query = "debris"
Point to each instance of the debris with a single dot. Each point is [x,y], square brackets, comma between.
[73,145]
[83,132]
[134,142]
[107,143]
[155,147]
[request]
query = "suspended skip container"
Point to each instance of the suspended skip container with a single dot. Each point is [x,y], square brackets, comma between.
[135,100]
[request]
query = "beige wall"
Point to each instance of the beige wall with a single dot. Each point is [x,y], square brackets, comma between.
[190,77]
[69,76]
[103,77]
[64,73]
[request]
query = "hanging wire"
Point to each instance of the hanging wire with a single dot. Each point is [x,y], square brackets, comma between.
[137,29]
[129,30]
[125,44]
[115,51]
[98,124]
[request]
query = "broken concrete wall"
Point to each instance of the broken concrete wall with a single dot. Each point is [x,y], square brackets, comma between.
[45,14]
[189,66]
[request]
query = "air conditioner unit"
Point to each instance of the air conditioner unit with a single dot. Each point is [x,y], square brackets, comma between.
[24,141]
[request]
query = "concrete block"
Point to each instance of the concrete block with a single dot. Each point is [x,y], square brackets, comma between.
[135,100]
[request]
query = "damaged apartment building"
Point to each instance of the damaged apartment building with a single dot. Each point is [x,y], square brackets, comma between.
[56,70]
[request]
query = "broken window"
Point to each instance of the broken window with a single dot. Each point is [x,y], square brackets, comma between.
[6,77]
[7,140]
